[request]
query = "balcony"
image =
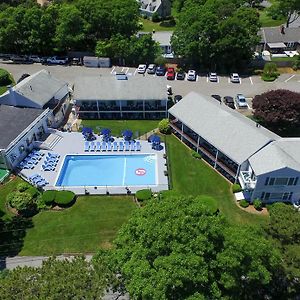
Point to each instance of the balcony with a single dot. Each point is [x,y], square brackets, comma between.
[246,181]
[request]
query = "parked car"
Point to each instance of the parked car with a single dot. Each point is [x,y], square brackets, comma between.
[55,60]
[151,69]
[228,100]
[141,69]
[241,101]
[76,61]
[191,75]
[160,71]
[177,98]
[213,77]
[217,97]
[20,59]
[170,73]
[35,58]
[43,60]
[235,78]
[180,75]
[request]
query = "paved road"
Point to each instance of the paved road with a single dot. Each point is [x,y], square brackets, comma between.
[249,86]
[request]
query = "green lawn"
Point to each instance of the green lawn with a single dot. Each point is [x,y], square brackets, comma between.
[293,59]
[92,222]
[138,127]
[195,177]
[148,26]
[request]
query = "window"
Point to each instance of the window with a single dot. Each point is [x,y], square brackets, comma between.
[281,181]
[276,196]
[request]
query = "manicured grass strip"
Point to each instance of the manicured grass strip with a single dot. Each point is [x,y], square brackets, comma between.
[148,26]
[138,127]
[195,177]
[91,223]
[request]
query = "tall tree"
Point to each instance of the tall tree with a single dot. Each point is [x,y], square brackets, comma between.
[177,248]
[290,9]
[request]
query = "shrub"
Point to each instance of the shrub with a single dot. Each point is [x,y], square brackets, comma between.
[48,197]
[257,204]
[270,72]
[244,203]
[164,126]
[32,191]
[64,198]
[160,60]
[155,17]
[236,188]
[20,201]
[196,155]
[22,187]
[142,195]
[4,77]
[296,65]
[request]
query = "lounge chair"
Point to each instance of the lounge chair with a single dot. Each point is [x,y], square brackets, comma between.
[98,146]
[109,146]
[121,146]
[93,146]
[132,146]
[103,146]
[34,176]
[86,146]
[138,146]
[126,146]
[115,146]
[28,166]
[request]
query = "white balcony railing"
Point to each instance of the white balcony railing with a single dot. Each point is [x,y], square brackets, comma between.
[247,180]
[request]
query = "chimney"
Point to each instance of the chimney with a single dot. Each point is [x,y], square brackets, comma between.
[11,96]
[282,29]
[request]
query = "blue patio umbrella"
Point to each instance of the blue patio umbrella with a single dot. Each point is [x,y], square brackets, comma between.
[105,131]
[150,138]
[155,139]
[127,134]
[86,130]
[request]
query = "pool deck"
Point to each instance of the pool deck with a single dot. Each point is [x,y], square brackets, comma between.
[72,143]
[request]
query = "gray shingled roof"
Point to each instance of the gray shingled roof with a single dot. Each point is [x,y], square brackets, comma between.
[232,133]
[273,35]
[284,153]
[13,121]
[39,87]
[109,88]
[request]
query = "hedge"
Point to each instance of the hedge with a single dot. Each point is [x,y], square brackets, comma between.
[244,203]
[64,198]
[142,195]
[236,188]
[49,197]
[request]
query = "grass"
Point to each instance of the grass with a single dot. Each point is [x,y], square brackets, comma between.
[293,59]
[3,174]
[195,177]
[267,21]
[149,26]
[138,127]
[91,223]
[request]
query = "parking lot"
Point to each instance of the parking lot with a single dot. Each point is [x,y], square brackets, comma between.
[249,86]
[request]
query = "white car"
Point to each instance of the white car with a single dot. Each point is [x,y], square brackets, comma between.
[235,78]
[141,69]
[55,60]
[213,77]
[191,75]
[35,58]
[241,101]
[151,69]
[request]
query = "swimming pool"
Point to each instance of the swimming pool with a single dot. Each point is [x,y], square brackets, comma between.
[108,170]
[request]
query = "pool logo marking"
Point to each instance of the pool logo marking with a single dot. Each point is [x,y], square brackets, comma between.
[140,172]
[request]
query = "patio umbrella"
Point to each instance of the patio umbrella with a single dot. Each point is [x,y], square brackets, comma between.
[155,139]
[105,131]
[86,130]
[150,138]
[127,134]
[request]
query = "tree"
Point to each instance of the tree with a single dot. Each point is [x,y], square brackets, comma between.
[289,9]
[164,126]
[216,34]
[56,279]
[279,109]
[177,248]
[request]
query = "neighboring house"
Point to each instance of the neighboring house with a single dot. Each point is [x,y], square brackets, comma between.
[128,98]
[164,40]
[161,7]
[279,39]
[239,148]
[20,128]
[40,90]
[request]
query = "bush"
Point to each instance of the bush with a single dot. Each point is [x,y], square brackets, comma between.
[270,72]
[236,188]
[268,78]
[296,65]
[32,191]
[196,155]
[142,195]
[244,203]
[155,17]
[22,187]
[160,60]
[64,198]
[257,204]
[20,201]
[48,197]
[164,126]
[4,77]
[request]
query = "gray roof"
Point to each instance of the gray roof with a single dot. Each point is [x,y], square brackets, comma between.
[40,87]
[13,121]
[163,37]
[109,88]
[232,133]
[284,153]
[274,35]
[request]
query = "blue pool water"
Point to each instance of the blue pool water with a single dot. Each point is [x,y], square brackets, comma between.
[110,170]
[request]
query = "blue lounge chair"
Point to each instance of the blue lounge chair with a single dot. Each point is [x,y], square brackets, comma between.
[132,146]
[115,146]
[138,146]
[86,146]
[103,146]
[98,146]
[93,146]
[126,146]
[121,146]
[32,177]
[109,146]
